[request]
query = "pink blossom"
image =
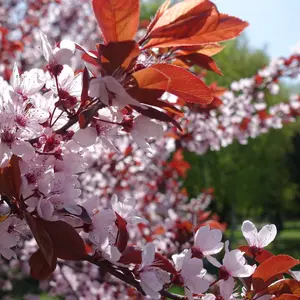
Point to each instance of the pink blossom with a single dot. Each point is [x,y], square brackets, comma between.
[110,92]
[192,272]
[152,278]
[26,85]
[126,209]
[208,241]
[145,129]
[234,263]
[8,238]
[259,239]
[10,142]
[59,55]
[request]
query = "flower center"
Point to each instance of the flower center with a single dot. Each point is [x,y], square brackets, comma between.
[21,120]
[7,137]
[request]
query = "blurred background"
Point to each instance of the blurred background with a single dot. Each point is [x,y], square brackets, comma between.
[260,180]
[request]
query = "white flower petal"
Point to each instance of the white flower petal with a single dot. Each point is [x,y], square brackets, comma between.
[85,137]
[267,235]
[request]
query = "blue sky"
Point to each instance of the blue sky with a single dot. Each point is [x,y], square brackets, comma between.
[273,23]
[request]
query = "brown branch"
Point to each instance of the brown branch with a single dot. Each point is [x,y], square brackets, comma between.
[109,268]
[73,120]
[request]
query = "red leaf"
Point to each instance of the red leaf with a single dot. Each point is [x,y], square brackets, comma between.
[131,255]
[158,14]
[116,55]
[163,263]
[123,236]
[10,179]
[197,26]
[157,115]
[286,286]
[42,238]
[151,78]
[287,297]
[90,59]
[39,267]
[260,255]
[271,268]
[67,243]
[85,87]
[150,97]
[202,61]
[184,84]
[118,19]
[183,19]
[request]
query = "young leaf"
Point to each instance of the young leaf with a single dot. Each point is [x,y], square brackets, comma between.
[217,28]
[118,19]
[273,266]
[183,19]
[85,87]
[184,84]
[163,263]
[123,236]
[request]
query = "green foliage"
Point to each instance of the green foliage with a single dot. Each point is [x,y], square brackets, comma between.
[148,9]
[237,61]
[249,180]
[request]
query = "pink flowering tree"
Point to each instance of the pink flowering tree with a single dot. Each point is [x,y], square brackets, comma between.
[85,155]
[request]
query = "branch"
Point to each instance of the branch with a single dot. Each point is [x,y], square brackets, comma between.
[108,267]
[73,120]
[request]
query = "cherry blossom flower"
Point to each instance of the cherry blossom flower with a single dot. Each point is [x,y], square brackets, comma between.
[126,209]
[26,85]
[152,278]
[234,263]
[259,239]
[8,238]
[10,142]
[144,129]
[226,290]
[207,241]
[110,92]
[59,55]
[192,272]
[103,234]
[69,87]
[103,131]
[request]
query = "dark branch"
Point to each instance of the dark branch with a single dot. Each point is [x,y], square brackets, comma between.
[109,268]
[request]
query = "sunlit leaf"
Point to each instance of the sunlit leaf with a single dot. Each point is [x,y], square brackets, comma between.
[270,268]
[117,56]
[183,83]
[118,19]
